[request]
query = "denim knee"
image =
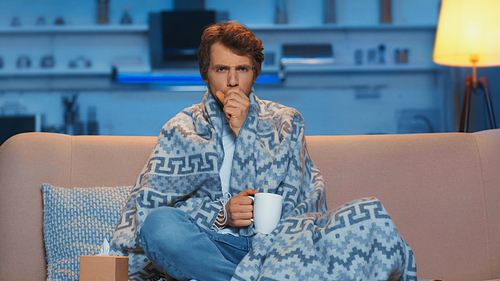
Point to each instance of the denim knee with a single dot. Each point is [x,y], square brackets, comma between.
[163,227]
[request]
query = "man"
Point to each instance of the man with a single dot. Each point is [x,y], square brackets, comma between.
[229,78]
[189,215]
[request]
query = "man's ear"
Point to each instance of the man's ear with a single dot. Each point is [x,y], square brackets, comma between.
[255,78]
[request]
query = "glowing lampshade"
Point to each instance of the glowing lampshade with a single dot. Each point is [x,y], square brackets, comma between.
[468,33]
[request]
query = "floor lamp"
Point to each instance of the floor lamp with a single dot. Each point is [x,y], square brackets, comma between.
[468,35]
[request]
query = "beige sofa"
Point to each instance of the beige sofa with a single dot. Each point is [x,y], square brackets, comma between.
[442,191]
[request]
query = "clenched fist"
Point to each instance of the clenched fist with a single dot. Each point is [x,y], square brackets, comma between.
[235,106]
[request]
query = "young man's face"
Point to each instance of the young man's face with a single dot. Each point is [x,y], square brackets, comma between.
[228,71]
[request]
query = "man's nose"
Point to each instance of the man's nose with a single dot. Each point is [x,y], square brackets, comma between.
[232,78]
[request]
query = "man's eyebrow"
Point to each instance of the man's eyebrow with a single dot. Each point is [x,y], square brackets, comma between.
[244,65]
[220,66]
[238,66]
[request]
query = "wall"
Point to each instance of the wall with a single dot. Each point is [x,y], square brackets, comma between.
[343,98]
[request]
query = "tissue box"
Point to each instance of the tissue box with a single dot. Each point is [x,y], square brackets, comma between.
[100,268]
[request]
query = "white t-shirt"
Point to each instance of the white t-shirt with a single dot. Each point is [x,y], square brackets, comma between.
[228,142]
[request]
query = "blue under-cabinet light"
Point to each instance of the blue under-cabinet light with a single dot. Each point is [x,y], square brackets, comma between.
[180,78]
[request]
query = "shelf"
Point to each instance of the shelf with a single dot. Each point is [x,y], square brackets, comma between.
[112,28]
[335,27]
[361,68]
[174,77]
[28,73]
[54,29]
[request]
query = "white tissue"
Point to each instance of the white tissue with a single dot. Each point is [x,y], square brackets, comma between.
[104,248]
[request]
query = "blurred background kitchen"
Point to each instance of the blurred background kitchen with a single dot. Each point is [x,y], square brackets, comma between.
[125,67]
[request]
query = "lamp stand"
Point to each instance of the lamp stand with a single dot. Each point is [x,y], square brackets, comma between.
[469,86]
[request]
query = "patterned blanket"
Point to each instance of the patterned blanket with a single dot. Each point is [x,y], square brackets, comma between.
[358,241]
[355,242]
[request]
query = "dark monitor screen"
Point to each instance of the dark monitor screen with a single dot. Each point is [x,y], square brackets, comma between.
[181,33]
[13,125]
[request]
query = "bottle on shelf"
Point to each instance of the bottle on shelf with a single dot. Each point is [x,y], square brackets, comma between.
[102,11]
[385,11]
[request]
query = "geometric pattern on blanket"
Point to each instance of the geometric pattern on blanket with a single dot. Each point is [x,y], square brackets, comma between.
[183,171]
[359,243]
[270,155]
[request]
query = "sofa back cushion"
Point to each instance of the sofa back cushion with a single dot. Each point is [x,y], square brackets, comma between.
[440,189]
[31,159]
[433,187]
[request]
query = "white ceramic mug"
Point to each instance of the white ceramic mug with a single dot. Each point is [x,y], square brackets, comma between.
[266,211]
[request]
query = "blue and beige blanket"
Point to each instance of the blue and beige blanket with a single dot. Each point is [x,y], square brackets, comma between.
[355,242]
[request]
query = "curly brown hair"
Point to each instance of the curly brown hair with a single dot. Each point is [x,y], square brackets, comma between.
[239,39]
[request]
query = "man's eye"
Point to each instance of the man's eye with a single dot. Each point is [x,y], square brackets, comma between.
[243,69]
[221,69]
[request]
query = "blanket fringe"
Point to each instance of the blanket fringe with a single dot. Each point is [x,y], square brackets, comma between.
[225,198]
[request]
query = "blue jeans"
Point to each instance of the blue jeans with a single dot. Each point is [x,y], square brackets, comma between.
[178,246]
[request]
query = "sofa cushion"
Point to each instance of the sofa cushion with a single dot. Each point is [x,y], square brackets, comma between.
[76,222]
